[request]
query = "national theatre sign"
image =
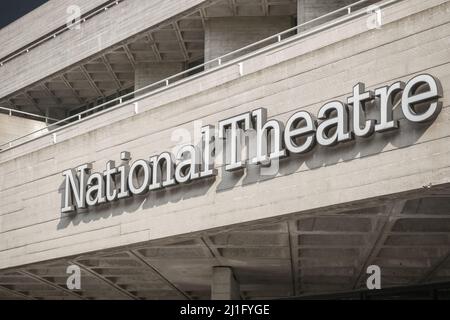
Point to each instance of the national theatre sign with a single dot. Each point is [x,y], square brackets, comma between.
[336,122]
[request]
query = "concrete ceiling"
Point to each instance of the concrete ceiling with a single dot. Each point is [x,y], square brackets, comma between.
[112,72]
[302,255]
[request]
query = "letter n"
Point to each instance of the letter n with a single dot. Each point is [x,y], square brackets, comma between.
[75,188]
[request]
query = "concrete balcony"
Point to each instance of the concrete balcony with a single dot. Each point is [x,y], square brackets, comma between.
[106,55]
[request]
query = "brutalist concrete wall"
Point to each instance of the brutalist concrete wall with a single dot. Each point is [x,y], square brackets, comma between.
[301,74]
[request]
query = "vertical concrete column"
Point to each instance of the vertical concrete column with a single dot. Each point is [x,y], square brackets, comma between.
[224,285]
[151,72]
[311,9]
[223,35]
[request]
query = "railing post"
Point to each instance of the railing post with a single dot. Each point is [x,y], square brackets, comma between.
[241,68]
[349,9]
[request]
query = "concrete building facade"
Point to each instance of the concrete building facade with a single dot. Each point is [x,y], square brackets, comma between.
[310,223]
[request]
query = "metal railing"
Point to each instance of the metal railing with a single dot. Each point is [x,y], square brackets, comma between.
[58,31]
[209,66]
[12,112]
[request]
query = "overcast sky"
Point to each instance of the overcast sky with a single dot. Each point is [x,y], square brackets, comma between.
[11,10]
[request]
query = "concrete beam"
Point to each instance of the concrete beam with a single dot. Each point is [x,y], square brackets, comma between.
[224,285]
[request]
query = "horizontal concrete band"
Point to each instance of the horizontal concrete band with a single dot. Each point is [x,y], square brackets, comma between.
[31,27]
